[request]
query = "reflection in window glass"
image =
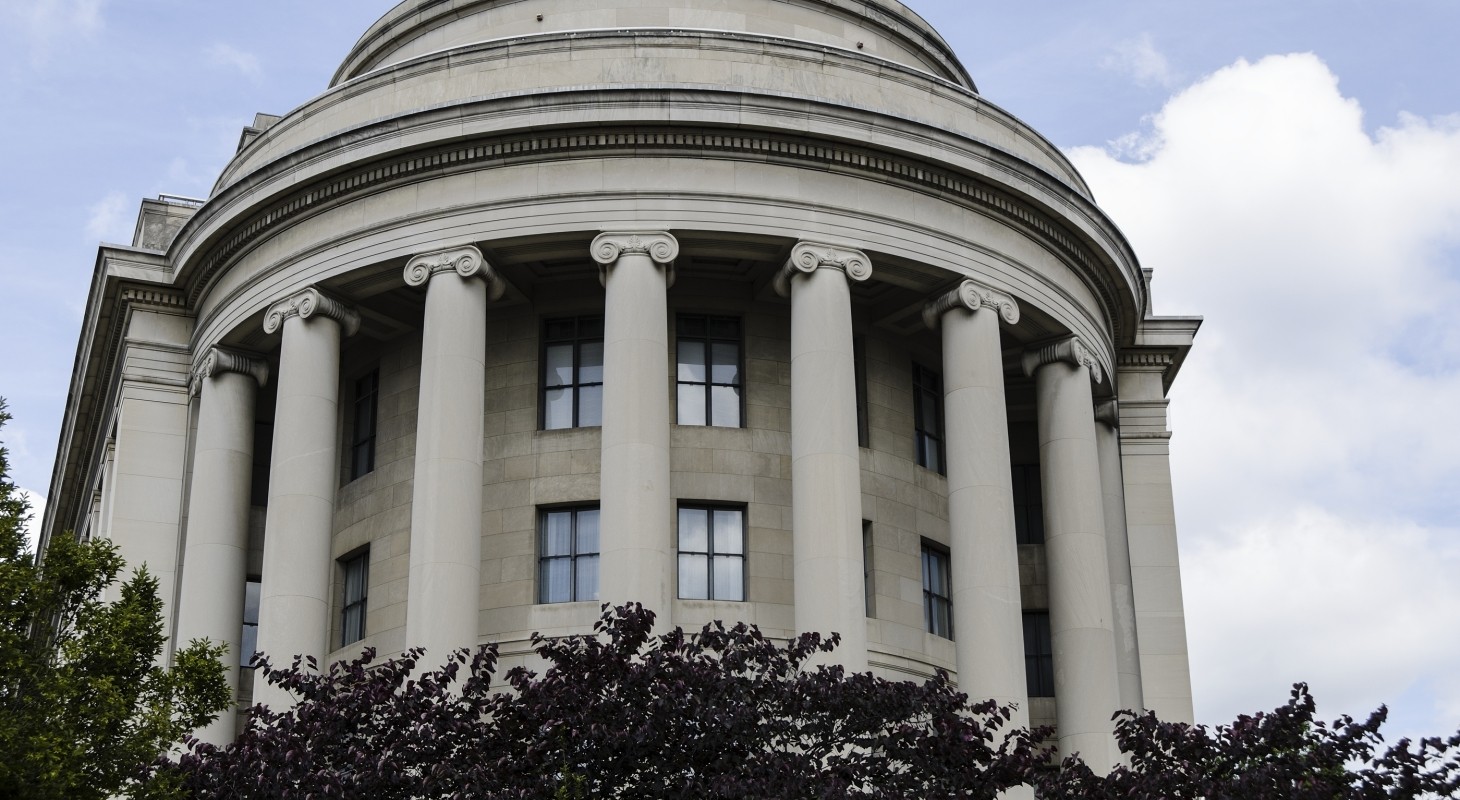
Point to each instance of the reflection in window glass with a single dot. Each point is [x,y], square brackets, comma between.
[568,555]
[937,594]
[708,372]
[572,373]
[711,553]
[357,584]
[250,641]
[928,417]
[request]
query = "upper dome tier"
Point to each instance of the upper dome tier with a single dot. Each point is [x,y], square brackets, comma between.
[883,28]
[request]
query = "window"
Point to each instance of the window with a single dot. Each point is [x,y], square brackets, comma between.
[937,592]
[709,376]
[870,600]
[859,374]
[567,564]
[1038,654]
[572,373]
[711,553]
[249,643]
[928,417]
[357,585]
[1028,505]
[362,441]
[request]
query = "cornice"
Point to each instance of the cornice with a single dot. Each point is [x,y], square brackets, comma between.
[1069,350]
[810,256]
[309,303]
[971,295]
[467,261]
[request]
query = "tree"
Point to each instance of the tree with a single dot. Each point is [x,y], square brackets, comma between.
[619,713]
[1287,753]
[84,706]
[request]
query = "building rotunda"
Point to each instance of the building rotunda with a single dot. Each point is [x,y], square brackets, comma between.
[742,309]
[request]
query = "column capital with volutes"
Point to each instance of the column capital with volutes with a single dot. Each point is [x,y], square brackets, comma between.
[219,361]
[1107,413]
[973,296]
[309,303]
[660,246]
[1069,350]
[466,261]
[809,256]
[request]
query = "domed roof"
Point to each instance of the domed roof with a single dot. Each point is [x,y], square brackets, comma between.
[882,28]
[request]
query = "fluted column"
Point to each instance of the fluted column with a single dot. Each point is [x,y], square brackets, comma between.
[294,599]
[1117,543]
[215,560]
[826,479]
[635,503]
[984,554]
[446,509]
[1083,637]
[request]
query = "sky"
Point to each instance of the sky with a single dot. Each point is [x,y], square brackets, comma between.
[1290,169]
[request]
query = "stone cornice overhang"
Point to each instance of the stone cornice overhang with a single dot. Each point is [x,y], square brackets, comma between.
[124,277]
[413,18]
[1162,344]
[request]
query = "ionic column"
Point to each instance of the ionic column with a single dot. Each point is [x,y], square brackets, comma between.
[215,560]
[294,599]
[1083,637]
[1117,544]
[446,510]
[826,479]
[984,553]
[636,564]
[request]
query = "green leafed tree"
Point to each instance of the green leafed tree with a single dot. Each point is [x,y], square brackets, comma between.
[85,706]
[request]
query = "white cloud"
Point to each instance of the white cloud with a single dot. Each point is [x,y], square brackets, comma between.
[109,220]
[221,54]
[1315,450]
[1140,60]
[45,24]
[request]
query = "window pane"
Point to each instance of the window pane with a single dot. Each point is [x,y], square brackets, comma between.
[729,578]
[729,531]
[691,404]
[557,534]
[590,327]
[725,403]
[588,531]
[558,365]
[251,591]
[694,577]
[725,328]
[560,329]
[929,411]
[557,409]
[691,361]
[725,363]
[556,580]
[355,571]
[590,406]
[590,362]
[587,579]
[935,460]
[354,624]
[691,326]
[249,645]
[694,530]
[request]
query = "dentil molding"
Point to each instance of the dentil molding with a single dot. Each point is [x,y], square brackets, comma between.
[972,296]
[309,303]
[468,262]
[219,361]
[807,257]
[1070,351]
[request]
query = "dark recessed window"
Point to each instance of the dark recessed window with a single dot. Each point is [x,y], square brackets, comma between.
[711,553]
[928,417]
[937,591]
[859,368]
[357,587]
[1028,505]
[1038,654]
[868,588]
[572,373]
[249,644]
[567,564]
[362,439]
[709,374]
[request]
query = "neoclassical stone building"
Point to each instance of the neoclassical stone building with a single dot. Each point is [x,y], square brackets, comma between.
[745,309]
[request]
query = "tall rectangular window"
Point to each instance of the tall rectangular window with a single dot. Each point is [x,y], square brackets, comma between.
[572,373]
[937,591]
[709,376]
[1038,654]
[357,589]
[868,587]
[711,553]
[249,644]
[362,439]
[859,370]
[1028,505]
[928,417]
[567,564]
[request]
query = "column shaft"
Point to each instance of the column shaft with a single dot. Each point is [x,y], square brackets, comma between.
[1122,595]
[215,566]
[984,553]
[1083,638]
[636,504]
[294,601]
[826,477]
